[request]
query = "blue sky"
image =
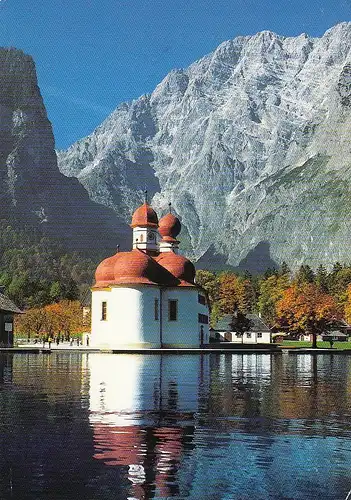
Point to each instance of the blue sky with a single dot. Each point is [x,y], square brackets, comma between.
[93,54]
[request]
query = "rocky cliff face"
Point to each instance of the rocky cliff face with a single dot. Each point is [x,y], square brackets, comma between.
[32,189]
[251,144]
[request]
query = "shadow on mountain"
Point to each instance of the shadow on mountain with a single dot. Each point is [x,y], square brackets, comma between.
[257,261]
[214,261]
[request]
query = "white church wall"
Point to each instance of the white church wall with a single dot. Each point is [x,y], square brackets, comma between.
[100,328]
[185,331]
[203,309]
[130,319]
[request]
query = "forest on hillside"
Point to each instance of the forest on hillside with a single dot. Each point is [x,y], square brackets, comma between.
[36,271]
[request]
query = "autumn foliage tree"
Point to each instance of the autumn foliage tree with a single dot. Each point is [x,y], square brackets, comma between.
[61,319]
[30,323]
[271,292]
[232,293]
[347,306]
[306,309]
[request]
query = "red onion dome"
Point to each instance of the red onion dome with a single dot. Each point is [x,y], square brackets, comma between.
[144,216]
[104,274]
[180,267]
[138,267]
[169,226]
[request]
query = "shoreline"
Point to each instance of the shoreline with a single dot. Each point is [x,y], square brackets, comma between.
[206,350]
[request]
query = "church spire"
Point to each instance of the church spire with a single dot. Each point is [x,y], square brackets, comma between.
[145,224]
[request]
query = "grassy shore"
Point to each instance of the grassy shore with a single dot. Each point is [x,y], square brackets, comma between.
[336,345]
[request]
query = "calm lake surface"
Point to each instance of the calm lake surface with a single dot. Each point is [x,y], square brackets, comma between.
[217,426]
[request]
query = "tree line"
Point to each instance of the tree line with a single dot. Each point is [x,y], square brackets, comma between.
[306,301]
[63,320]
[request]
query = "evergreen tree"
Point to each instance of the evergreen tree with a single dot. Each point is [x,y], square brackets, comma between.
[55,291]
[240,324]
[336,268]
[271,271]
[285,269]
[321,279]
[304,275]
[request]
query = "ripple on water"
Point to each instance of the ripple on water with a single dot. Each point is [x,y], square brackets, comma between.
[216,426]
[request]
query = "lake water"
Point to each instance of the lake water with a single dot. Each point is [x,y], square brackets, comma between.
[217,426]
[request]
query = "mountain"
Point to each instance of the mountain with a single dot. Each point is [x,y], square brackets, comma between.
[251,144]
[33,192]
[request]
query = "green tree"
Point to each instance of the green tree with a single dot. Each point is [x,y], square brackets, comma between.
[271,271]
[55,291]
[231,293]
[209,282]
[338,284]
[321,280]
[304,275]
[271,291]
[285,269]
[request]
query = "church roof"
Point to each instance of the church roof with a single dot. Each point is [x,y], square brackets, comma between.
[138,267]
[169,227]
[178,266]
[144,216]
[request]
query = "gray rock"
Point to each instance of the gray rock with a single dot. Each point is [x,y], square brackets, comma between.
[32,189]
[251,144]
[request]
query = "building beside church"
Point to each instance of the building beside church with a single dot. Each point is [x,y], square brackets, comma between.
[7,311]
[147,297]
[257,331]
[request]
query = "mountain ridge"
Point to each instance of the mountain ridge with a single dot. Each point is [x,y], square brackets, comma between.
[33,191]
[249,143]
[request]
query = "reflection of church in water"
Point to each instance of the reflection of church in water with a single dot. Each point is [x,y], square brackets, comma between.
[143,416]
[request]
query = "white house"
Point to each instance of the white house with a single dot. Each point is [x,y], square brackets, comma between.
[257,333]
[147,298]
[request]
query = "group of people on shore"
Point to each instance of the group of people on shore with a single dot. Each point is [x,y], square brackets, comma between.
[57,340]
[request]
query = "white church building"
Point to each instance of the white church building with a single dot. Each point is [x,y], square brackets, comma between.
[147,298]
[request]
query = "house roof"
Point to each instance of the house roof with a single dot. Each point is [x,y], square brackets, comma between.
[334,333]
[338,323]
[257,325]
[7,305]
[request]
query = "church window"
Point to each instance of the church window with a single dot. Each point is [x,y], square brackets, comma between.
[259,335]
[172,310]
[201,299]
[141,238]
[203,318]
[103,311]
[156,313]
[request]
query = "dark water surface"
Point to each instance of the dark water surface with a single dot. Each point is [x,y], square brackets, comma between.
[217,426]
